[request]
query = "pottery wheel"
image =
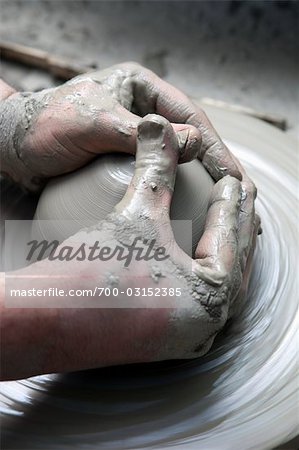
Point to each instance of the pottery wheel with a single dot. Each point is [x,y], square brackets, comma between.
[241,395]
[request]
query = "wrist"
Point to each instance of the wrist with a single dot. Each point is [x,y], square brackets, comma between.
[17,113]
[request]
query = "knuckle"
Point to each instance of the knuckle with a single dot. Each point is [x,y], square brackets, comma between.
[135,70]
[211,272]
[196,330]
[222,274]
[229,180]
[250,188]
[131,66]
[227,188]
[83,85]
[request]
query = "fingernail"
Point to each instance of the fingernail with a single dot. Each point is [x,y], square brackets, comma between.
[189,145]
[152,126]
[182,137]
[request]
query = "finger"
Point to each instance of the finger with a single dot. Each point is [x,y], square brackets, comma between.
[189,141]
[248,217]
[246,221]
[122,134]
[101,123]
[238,302]
[151,94]
[151,187]
[248,268]
[217,250]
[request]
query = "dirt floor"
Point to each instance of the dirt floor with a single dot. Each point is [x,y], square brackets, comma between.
[242,52]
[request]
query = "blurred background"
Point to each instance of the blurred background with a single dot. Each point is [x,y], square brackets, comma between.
[240,52]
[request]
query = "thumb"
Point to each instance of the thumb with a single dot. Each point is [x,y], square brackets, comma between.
[118,131]
[151,188]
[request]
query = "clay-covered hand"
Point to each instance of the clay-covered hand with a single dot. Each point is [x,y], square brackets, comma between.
[58,130]
[209,286]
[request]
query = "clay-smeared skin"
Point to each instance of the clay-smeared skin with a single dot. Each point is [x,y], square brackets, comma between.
[187,326]
[60,129]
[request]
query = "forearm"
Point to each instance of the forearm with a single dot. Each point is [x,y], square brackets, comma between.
[14,123]
[18,111]
[45,339]
[27,338]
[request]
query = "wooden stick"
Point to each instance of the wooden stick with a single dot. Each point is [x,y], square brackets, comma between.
[275,120]
[58,66]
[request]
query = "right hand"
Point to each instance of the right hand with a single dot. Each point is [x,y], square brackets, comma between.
[211,283]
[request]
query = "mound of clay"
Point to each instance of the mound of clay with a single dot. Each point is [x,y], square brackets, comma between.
[89,194]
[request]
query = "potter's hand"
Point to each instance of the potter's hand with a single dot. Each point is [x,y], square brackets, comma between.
[58,130]
[213,283]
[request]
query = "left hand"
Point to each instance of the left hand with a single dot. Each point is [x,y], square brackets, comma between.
[58,130]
